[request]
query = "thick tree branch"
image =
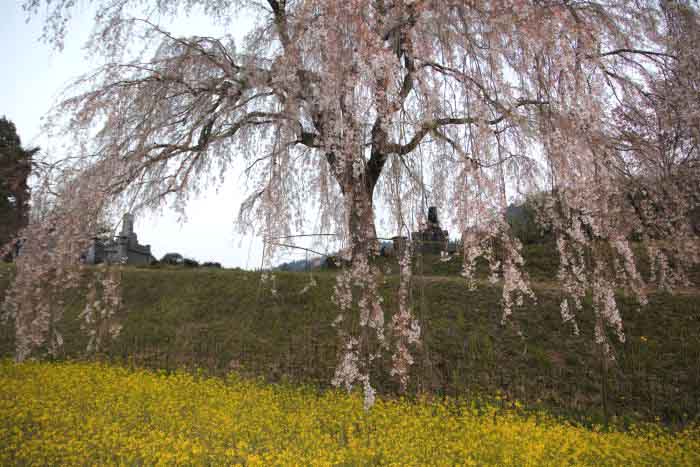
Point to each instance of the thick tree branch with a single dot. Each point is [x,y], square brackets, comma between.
[278,11]
[378,156]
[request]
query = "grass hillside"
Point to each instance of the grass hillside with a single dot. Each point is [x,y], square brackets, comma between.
[223,320]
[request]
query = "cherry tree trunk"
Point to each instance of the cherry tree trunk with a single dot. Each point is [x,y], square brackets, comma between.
[360,221]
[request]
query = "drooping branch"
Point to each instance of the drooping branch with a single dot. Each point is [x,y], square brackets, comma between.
[432,125]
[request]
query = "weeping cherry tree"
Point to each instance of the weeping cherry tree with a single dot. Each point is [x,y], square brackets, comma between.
[346,106]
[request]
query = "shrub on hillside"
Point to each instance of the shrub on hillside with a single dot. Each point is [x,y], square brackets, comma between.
[522,219]
[172,259]
[190,263]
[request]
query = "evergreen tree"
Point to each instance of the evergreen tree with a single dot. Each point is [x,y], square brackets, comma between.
[15,167]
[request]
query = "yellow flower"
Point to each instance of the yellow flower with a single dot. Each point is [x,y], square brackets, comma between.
[81,413]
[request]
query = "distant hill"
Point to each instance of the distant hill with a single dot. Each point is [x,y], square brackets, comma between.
[302,265]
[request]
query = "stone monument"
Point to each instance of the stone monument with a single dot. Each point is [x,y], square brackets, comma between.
[122,249]
[431,239]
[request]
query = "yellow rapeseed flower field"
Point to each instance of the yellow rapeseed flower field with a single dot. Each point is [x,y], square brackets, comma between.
[96,414]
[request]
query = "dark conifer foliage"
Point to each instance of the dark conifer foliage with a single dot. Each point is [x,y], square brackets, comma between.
[15,168]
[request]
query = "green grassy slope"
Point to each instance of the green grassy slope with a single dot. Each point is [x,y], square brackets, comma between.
[221,320]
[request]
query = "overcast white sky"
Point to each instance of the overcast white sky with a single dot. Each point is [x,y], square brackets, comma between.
[32,76]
